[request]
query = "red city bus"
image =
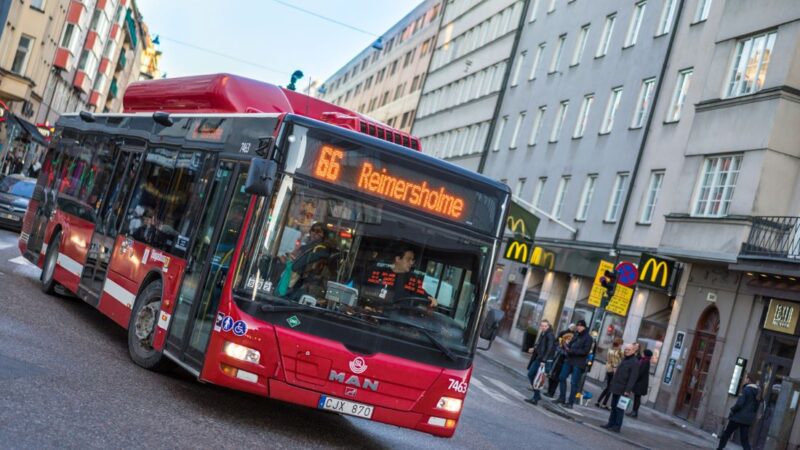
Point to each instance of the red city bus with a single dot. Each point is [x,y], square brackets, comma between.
[273,243]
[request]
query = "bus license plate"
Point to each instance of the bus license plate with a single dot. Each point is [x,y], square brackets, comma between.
[345,407]
[10,217]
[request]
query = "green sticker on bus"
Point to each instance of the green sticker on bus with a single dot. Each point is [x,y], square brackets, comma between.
[293,321]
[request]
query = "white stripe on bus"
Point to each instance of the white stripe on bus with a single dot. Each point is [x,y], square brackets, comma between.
[44,249]
[69,264]
[119,293]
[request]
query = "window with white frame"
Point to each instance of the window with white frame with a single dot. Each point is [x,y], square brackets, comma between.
[749,66]
[580,45]
[611,110]
[520,62]
[716,184]
[701,13]
[667,17]
[515,134]
[22,55]
[561,194]
[552,6]
[520,187]
[534,6]
[586,196]
[679,96]
[537,193]
[499,133]
[70,37]
[556,61]
[635,25]
[605,38]
[583,116]
[537,124]
[38,4]
[615,203]
[559,122]
[653,188]
[537,60]
[643,102]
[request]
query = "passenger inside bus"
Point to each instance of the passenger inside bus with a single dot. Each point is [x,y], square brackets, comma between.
[305,270]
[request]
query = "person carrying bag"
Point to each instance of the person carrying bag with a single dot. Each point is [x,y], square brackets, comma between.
[541,360]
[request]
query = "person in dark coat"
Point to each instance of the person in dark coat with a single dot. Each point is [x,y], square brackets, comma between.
[543,353]
[577,351]
[622,384]
[560,356]
[743,414]
[642,381]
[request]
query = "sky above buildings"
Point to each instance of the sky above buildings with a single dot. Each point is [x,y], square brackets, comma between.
[266,39]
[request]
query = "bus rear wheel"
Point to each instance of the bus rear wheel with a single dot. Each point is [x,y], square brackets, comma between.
[142,328]
[49,267]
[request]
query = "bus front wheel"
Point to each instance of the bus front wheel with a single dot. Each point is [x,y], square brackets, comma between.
[49,267]
[142,328]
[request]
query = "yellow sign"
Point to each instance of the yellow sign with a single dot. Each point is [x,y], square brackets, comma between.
[597,289]
[655,271]
[516,225]
[621,300]
[517,251]
[543,258]
[782,316]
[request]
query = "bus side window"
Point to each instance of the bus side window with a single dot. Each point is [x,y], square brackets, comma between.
[97,182]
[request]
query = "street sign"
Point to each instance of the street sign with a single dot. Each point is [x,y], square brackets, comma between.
[670,371]
[596,295]
[621,300]
[627,274]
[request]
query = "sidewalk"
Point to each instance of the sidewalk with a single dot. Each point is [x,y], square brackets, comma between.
[652,429]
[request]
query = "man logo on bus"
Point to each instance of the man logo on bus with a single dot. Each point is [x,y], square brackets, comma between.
[358,365]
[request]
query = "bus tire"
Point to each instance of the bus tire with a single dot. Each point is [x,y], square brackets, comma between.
[142,328]
[49,267]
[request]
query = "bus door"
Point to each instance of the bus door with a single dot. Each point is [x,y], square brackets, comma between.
[207,265]
[109,217]
[45,197]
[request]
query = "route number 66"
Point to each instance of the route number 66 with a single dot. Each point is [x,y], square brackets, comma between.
[458,386]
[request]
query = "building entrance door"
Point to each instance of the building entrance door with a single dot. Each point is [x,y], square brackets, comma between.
[773,362]
[509,307]
[698,364]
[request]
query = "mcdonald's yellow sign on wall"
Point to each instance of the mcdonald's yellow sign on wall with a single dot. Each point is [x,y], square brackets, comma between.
[656,272]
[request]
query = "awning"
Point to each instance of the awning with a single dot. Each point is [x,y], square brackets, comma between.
[31,130]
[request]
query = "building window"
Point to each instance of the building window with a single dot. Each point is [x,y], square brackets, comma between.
[552,6]
[561,193]
[537,193]
[586,197]
[715,187]
[750,61]
[605,38]
[580,46]
[70,37]
[667,17]
[635,25]
[515,134]
[534,8]
[556,61]
[22,55]
[520,187]
[679,96]
[612,214]
[701,14]
[537,59]
[559,122]
[583,116]
[37,4]
[653,188]
[520,62]
[643,102]
[537,124]
[611,110]
[499,133]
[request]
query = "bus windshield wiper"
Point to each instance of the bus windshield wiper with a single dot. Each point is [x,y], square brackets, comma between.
[427,333]
[304,308]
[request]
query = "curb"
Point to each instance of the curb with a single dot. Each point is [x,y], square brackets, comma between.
[560,412]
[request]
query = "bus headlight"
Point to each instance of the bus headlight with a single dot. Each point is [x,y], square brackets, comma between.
[449,404]
[242,353]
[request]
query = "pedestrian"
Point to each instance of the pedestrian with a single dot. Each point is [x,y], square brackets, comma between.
[558,360]
[577,351]
[642,381]
[743,413]
[542,355]
[613,359]
[622,384]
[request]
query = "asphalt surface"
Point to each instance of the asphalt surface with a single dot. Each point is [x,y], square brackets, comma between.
[66,381]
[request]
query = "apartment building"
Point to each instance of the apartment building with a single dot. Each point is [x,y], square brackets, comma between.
[466,78]
[386,83]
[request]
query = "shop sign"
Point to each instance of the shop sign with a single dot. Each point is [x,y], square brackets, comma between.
[655,272]
[596,295]
[781,316]
[620,301]
[517,251]
[680,336]
[669,371]
[736,378]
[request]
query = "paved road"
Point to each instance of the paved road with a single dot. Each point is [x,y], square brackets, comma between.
[66,381]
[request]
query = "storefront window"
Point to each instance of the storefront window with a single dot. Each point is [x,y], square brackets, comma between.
[651,336]
[613,327]
[531,311]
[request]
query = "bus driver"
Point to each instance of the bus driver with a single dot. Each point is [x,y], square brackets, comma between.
[398,281]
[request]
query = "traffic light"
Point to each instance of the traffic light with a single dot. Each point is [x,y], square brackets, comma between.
[609,282]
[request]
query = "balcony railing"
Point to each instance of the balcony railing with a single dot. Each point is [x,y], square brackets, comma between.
[774,237]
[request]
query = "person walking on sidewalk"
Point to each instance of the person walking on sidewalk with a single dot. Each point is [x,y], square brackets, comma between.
[613,359]
[743,414]
[542,355]
[642,381]
[622,384]
[558,359]
[578,350]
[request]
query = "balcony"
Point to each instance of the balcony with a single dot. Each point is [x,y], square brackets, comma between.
[773,237]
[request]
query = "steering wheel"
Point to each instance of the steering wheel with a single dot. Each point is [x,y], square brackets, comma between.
[410,302]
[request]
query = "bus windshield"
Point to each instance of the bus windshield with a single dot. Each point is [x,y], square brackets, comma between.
[367,262]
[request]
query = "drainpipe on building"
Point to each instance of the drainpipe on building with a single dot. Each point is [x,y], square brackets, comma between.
[502,93]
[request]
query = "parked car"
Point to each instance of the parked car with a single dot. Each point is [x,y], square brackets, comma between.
[15,192]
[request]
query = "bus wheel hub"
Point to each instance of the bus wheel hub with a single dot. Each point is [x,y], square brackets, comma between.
[146,320]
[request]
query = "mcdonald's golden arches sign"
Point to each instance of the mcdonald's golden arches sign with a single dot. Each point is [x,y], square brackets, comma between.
[655,272]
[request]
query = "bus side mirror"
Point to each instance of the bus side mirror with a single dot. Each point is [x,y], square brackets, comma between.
[261,177]
[491,325]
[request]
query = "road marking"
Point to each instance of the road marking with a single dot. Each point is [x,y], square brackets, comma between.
[490,392]
[514,393]
[21,261]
